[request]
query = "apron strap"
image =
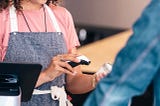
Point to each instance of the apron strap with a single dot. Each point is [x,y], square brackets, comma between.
[53,18]
[57,93]
[14,22]
[13,19]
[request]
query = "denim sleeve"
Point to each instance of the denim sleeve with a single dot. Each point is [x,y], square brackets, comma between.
[135,65]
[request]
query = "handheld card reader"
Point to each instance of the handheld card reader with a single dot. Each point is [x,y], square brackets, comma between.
[83,61]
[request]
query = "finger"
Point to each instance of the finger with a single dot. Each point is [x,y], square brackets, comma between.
[57,61]
[64,70]
[100,76]
[67,67]
[69,57]
[104,74]
[60,60]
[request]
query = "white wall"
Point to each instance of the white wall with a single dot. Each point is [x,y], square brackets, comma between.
[107,13]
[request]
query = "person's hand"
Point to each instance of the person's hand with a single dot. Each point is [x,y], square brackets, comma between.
[104,70]
[59,65]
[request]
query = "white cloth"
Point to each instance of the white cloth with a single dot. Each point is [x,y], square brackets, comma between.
[57,93]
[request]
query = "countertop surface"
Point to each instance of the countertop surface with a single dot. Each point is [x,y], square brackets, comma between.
[104,50]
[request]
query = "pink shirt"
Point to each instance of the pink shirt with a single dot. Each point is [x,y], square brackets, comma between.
[35,20]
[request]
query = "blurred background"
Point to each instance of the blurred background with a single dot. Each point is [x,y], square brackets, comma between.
[98,19]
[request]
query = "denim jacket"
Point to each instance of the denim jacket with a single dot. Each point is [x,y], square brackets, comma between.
[136,65]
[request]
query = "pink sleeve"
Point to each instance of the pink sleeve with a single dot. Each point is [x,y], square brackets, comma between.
[4,33]
[2,20]
[1,34]
[73,40]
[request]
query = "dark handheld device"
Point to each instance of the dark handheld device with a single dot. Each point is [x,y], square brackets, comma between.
[83,61]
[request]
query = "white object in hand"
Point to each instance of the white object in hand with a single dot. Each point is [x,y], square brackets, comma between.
[106,67]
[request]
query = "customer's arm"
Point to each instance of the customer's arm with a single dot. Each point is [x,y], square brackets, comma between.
[135,65]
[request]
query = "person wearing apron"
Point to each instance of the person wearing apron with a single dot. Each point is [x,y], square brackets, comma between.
[36,47]
[49,49]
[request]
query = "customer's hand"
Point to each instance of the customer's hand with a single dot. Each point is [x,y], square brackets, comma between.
[104,70]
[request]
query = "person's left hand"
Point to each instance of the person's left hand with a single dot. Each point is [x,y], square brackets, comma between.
[104,70]
[100,75]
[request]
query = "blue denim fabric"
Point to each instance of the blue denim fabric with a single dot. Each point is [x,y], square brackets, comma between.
[135,66]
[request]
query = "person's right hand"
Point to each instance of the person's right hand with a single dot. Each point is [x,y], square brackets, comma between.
[58,66]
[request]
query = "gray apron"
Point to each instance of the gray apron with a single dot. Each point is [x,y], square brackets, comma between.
[36,47]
